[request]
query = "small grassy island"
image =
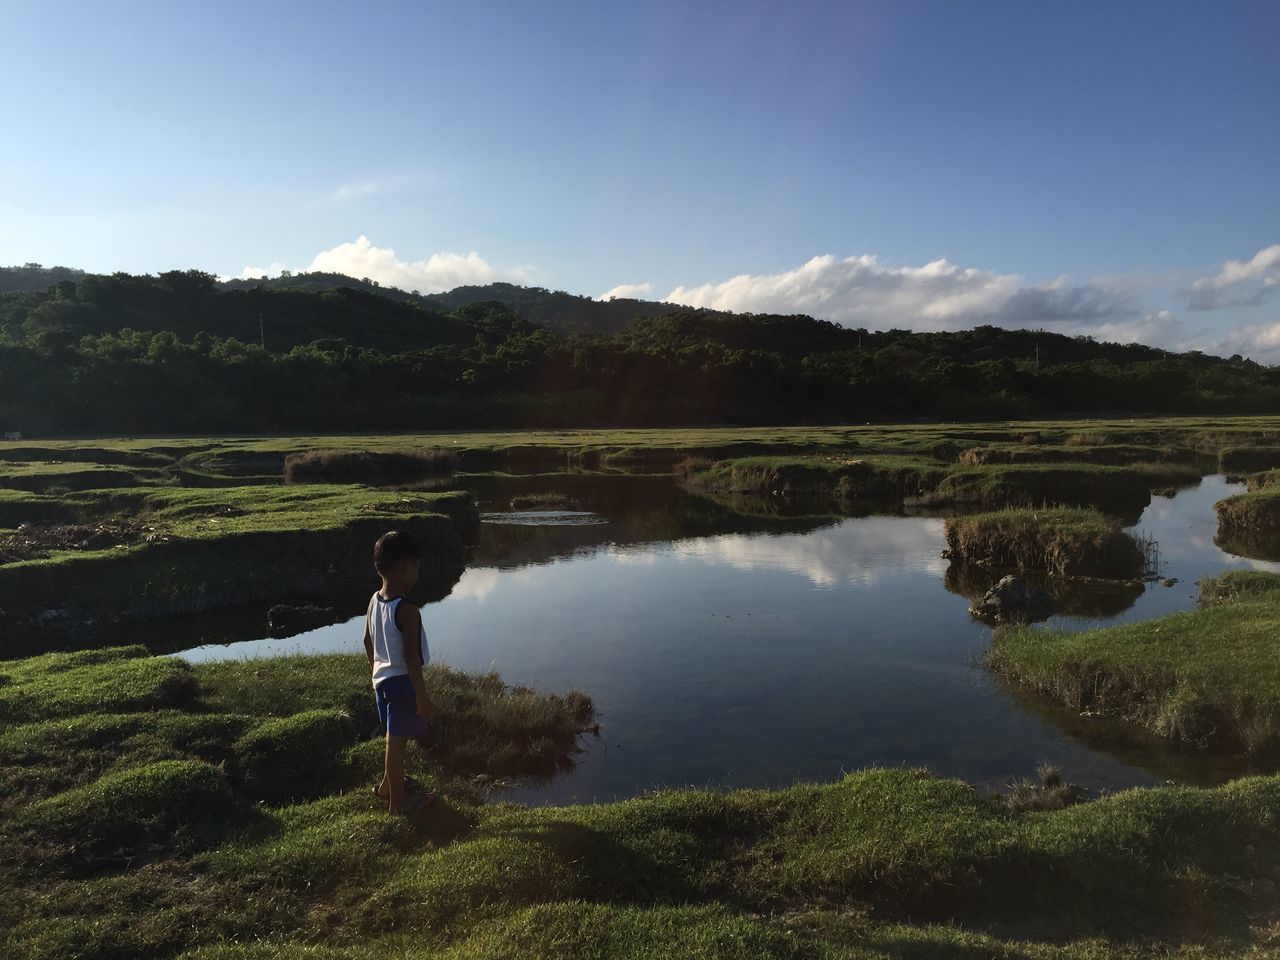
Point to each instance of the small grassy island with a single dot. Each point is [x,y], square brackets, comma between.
[1208,677]
[1258,510]
[1059,541]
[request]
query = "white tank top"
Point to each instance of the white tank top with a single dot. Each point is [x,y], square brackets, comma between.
[388,641]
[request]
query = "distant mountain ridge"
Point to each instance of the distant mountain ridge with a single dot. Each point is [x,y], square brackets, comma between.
[34,278]
[558,311]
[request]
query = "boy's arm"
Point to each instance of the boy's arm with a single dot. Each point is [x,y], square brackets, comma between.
[368,643]
[409,620]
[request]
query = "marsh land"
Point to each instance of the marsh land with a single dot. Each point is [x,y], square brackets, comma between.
[703,692]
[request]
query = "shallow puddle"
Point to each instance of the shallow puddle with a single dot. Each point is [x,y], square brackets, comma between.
[758,651]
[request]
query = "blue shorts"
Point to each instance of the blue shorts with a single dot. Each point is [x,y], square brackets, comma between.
[398,707]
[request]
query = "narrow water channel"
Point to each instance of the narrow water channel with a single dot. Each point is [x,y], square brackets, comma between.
[732,651]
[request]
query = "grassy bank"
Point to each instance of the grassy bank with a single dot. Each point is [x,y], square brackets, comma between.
[152,809]
[346,465]
[1248,458]
[183,550]
[924,482]
[60,477]
[1210,677]
[1188,440]
[1255,511]
[843,477]
[1060,542]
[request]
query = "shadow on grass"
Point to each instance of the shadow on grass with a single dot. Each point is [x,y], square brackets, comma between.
[606,870]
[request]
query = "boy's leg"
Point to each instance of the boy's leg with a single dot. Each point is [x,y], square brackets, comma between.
[393,767]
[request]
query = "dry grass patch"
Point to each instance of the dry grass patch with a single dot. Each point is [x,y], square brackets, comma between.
[344,465]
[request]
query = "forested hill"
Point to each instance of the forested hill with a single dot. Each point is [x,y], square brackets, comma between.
[183,353]
[556,310]
[562,312]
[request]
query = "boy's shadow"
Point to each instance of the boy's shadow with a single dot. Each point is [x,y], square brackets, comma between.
[438,824]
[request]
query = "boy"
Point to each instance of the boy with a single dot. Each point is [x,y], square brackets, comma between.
[396,645]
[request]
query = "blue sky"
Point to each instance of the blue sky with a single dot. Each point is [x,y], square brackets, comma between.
[1086,167]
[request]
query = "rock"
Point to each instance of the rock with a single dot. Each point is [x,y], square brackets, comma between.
[1168,581]
[1013,600]
[284,620]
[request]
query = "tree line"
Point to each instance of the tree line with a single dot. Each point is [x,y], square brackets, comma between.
[181,352]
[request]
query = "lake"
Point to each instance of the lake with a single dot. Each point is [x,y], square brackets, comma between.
[731,650]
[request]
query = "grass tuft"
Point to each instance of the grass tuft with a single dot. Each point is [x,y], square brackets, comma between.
[1061,542]
[314,466]
[1048,791]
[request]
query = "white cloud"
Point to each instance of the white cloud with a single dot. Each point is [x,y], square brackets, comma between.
[439,272]
[1158,329]
[862,292]
[1260,342]
[853,551]
[477,583]
[261,273]
[1239,282]
[627,291]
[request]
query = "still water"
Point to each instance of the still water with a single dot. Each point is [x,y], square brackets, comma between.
[761,651]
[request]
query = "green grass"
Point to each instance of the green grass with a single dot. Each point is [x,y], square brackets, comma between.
[63,476]
[150,809]
[108,681]
[484,726]
[1240,585]
[294,758]
[146,803]
[189,513]
[844,476]
[589,931]
[1060,541]
[129,833]
[1120,490]
[724,870]
[1204,434]
[1209,676]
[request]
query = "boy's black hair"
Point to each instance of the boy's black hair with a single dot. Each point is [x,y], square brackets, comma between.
[392,547]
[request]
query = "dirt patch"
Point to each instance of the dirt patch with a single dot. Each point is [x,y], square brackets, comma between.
[32,541]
